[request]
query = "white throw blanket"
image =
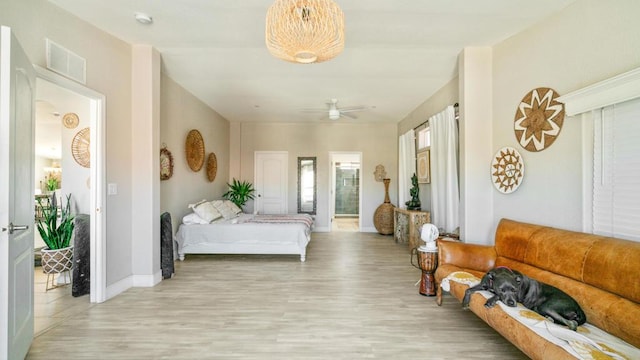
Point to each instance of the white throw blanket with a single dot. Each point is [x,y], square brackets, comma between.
[588,342]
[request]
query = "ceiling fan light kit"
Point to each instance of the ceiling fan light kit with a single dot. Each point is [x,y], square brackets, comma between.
[304,31]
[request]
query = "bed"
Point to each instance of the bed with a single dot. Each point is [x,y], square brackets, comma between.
[247,234]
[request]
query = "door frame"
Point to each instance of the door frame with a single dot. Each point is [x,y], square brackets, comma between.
[332,186]
[97,194]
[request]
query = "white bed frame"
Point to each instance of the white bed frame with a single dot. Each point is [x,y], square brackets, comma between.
[249,249]
[242,237]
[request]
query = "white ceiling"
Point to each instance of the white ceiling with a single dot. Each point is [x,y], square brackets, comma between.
[397,53]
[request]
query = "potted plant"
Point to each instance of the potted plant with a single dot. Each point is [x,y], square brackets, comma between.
[239,192]
[52,184]
[56,233]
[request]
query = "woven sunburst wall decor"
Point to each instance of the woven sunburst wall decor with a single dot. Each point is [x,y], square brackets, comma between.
[539,119]
[507,170]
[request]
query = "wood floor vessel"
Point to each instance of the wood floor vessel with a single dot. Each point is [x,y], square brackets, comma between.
[354,298]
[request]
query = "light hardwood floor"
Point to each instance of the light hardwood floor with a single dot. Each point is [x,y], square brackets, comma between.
[344,224]
[354,298]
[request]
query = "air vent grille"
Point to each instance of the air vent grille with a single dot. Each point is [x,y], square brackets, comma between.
[65,62]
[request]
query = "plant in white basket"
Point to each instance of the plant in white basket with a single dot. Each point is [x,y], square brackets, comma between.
[56,233]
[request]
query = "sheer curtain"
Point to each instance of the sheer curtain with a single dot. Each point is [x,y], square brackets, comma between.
[445,195]
[406,165]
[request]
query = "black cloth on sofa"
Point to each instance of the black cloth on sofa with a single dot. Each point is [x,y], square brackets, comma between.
[81,283]
[166,246]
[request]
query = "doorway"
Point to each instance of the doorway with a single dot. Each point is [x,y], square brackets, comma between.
[68,96]
[346,183]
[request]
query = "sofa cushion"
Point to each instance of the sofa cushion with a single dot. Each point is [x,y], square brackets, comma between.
[614,265]
[596,260]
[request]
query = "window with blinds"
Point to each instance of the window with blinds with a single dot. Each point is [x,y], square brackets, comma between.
[616,170]
[423,138]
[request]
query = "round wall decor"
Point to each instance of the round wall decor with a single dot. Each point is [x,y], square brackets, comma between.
[212,167]
[166,164]
[538,119]
[70,120]
[80,148]
[507,170]
[194,149]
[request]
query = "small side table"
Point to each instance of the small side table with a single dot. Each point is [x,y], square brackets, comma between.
[407,225]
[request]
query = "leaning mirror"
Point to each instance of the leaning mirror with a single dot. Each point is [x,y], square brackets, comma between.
[307,185]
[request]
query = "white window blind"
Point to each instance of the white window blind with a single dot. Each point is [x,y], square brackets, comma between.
[424,138]
[616,168]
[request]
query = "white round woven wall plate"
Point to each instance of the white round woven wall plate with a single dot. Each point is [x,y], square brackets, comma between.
[507,170]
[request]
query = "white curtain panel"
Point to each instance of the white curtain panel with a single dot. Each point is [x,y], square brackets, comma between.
[445,193]
[406,165]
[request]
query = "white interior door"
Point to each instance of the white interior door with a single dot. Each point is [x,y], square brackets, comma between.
[271,171]
[17,86]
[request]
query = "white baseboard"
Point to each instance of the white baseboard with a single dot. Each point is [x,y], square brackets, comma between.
[369,230]
[119,287]
[133,281]
[147,280]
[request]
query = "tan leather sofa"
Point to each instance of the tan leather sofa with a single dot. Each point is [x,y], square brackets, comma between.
[601,273]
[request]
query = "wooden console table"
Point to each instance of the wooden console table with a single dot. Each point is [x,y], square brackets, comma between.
[407,225]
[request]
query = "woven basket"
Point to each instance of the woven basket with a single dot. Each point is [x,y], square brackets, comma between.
[383,219]
[212,167]
[57,261]
[194,149]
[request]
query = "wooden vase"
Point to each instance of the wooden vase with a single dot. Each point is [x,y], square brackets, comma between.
[383,217]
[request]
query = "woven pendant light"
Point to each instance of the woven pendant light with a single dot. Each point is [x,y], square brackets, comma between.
[305,31]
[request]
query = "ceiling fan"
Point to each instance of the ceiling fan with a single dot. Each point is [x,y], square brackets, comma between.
[335,113]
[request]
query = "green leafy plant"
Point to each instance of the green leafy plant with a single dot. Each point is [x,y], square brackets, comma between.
[239,192]
[52,184]
[57,235]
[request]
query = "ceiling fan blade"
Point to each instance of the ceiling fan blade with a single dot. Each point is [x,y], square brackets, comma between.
[350,116]
[313,110]
[354,108]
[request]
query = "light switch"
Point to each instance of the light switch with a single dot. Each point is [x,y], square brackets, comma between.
[112,189]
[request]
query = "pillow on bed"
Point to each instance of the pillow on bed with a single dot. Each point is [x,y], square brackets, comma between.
[192,219]
[226,211]
[231,205]
[207,211]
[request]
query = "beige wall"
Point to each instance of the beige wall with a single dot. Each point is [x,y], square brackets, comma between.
[181,112]
[109,73]
[589,41]
[376,142]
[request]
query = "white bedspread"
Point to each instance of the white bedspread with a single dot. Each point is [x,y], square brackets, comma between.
[248,234]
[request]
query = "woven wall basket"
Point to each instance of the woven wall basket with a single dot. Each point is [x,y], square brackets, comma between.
[212,167]
[194,150]
[539,119]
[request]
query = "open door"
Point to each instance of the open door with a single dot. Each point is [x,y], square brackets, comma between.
[17,86]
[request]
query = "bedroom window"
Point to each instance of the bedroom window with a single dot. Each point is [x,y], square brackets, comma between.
[616,170]
[610,115]
[423,138]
